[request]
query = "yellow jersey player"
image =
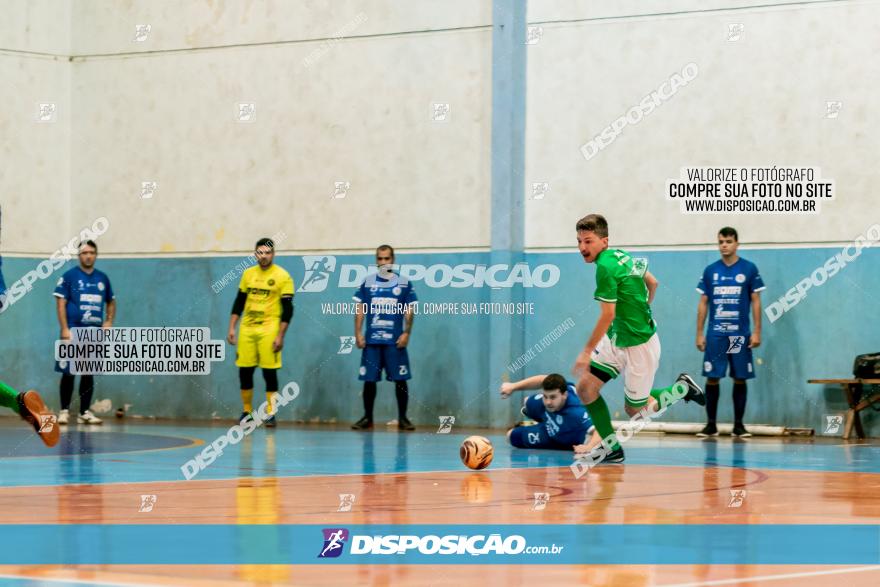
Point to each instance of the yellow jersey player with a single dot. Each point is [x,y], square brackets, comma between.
[265,305]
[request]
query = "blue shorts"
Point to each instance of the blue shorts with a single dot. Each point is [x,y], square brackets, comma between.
[376,357]
[535,437]
[722,351]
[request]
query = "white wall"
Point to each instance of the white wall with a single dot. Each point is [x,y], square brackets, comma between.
[35,180]
[356,110]
[759,101]
[36,26]
[107,28]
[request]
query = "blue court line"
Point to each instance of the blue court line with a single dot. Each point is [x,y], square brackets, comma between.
[298,452]
[674,544]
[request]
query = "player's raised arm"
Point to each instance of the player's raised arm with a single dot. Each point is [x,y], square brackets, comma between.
[533,382]
[651,283]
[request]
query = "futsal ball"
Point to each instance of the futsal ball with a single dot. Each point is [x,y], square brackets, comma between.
[476,452]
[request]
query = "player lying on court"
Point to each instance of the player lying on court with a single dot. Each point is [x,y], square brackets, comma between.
[624,341]
[562,420]
[29,405]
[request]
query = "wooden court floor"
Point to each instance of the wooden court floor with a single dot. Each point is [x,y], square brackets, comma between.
[295,475]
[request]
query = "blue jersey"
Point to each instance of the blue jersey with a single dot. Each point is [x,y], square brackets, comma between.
[567,426]
[385,301]
[86,295]
[2,286]
[730,290]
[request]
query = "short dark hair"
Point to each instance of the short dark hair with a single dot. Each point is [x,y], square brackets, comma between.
[89,243]
[594,223]
[265,242]
[385,248]
[729,231]
[555,381]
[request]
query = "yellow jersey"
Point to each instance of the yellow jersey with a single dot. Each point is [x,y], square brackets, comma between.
[264,288]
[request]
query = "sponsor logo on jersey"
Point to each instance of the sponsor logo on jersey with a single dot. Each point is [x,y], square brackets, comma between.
[727,290]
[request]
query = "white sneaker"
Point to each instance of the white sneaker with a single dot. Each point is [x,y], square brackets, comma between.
[63,417]
[88,418]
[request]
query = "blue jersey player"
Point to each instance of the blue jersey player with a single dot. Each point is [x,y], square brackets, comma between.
[385,302]
[28,404]
[728,292]
[562,420]
[84,299]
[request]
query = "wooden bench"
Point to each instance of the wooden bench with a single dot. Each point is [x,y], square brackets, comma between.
[854,389]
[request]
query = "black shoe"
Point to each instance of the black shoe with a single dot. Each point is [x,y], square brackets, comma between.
[404,424]
[695,392]
[362,424]
[595,455]
[270,423]
[243,416]
[740,431]
[615,456]
[708,430]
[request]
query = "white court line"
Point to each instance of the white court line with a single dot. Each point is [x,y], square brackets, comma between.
[776,577]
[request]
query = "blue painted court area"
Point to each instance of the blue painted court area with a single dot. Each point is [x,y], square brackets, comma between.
[143,452]
[28,583]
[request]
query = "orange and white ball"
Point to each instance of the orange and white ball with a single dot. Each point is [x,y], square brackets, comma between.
[476,452]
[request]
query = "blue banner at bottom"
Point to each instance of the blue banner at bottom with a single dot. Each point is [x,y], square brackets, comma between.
[721,544]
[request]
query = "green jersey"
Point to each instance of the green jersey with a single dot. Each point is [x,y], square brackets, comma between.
[620,279]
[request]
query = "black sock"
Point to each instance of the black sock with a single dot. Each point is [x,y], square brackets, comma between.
[86,387]
[739,402]
[369,398]
[66,388]
[402,393]
[713,390]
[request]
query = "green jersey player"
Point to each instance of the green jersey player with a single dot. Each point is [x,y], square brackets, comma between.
[624,341]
